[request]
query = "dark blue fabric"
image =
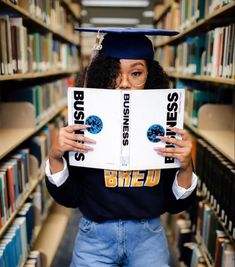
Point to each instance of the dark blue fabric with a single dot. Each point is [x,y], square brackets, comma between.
[127,46]
[128,43]
[85,188]
[129,31]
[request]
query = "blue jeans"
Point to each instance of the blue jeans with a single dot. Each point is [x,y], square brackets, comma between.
[126,243]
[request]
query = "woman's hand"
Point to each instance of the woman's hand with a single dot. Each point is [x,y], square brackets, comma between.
[68,140]
[182,151]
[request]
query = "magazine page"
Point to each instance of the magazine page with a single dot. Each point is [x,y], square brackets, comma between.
[151,112]
[99,108]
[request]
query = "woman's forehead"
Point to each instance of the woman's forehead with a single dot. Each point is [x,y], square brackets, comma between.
[133,63]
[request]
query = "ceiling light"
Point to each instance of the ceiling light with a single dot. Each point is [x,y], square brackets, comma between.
[103,3]
[114,21]
[83,12]
[148,14]
[86,25]
[149,26]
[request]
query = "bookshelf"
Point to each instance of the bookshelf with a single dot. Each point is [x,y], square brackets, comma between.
[7,6]
[207,74]
[215,125]
[35,180]
[201,78]
[31,76]
[13,137]
[47,75]
[202,25]
[160,11]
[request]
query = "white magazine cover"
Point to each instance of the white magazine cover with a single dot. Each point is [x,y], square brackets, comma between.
[125,125]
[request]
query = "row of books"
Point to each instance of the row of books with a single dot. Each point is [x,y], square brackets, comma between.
[187,251]
[18,170]
[53,14]
[205,232]
[39,145]
[211,54]
[44,98]
[22,51]
[14,183]
[16,243]
[34,259]
[171,20]
[196,96]
[212,237]
[184,14]
[192,11]
[217,183]
[203,242]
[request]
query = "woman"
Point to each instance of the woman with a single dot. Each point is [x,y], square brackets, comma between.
[121,225]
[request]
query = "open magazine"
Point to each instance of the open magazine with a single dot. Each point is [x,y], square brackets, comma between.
[125,125]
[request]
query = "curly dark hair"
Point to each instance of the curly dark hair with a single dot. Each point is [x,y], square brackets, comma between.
[103,72]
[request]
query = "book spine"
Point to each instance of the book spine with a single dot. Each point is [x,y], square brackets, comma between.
[125,130]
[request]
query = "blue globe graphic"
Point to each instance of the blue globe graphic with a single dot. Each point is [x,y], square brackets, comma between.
[96,124]
[154,131]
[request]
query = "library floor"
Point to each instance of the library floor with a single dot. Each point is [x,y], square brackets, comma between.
[64,252]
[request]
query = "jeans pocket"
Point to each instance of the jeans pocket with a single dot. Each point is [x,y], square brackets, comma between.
[85,226]
[154,225]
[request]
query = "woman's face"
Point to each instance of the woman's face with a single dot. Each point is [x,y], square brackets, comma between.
[133,74]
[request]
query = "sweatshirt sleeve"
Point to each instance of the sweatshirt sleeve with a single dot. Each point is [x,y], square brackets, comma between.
[68,193]
[172,205]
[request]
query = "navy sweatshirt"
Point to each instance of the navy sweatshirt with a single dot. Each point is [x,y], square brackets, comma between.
[103,194]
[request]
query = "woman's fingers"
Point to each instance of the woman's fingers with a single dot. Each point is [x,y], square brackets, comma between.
[69,140]
[77,145]
[185,135]
[78,137]
[180,149]
[76,127]
[171,140]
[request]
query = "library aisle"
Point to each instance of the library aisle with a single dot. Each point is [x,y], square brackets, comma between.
[41,56]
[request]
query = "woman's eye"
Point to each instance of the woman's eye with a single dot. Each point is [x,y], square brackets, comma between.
[136,73]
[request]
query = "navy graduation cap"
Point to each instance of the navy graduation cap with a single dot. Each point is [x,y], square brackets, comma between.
[126,43]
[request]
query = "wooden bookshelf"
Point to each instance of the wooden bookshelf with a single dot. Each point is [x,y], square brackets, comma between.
[203,25]
[67,4]
[36,75]
[215,125]
[163,12]
[222,140]
[201,78]
[11,219]
[8,6]
[222,224]
[11,138]
[41,239]
[204,251]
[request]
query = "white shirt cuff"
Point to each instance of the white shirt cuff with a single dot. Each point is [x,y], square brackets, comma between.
[57,178]
[180,192]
